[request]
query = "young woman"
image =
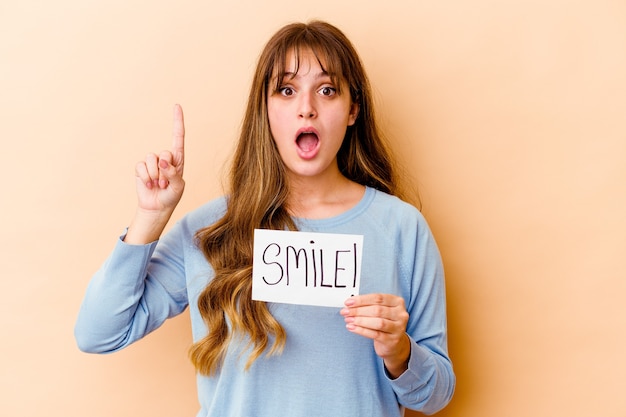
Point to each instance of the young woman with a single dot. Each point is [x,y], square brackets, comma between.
[309,158]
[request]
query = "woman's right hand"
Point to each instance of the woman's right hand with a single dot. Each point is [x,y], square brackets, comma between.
[160,186]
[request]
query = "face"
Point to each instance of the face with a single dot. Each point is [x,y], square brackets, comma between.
[309,118]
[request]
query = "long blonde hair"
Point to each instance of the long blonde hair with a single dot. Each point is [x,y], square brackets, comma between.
[258,191]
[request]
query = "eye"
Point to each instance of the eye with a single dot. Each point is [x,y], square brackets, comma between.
[327,91]
[286,91]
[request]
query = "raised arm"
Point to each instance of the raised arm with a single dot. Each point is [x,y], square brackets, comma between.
[139,286]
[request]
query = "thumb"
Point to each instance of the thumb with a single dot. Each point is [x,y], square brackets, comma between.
[169,174]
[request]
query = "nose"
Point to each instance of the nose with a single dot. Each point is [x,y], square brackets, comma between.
[306,106]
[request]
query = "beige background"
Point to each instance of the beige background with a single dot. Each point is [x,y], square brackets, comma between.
[510,114]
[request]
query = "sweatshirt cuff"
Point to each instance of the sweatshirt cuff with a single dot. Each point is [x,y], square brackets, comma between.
[418,373]
[121,242]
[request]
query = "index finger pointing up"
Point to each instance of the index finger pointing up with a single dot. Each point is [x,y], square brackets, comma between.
[178,143]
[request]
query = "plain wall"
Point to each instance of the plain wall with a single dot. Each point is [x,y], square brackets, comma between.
[510,115]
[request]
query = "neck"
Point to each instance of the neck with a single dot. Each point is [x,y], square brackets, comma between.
[317,198]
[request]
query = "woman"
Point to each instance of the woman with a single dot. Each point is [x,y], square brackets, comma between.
[309,158]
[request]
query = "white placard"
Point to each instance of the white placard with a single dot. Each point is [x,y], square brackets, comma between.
[322,269]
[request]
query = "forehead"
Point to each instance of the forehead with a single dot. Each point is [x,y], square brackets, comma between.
[302,60]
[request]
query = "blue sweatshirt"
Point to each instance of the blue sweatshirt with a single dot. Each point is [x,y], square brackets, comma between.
[324,370]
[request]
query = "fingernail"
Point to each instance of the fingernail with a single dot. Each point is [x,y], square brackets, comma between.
[163,164]
[349,302]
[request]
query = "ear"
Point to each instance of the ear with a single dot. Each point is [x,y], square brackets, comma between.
[354,112]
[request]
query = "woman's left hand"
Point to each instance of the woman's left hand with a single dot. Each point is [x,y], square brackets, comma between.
[382,318]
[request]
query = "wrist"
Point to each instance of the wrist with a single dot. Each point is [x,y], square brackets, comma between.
[146,227]
[398,363]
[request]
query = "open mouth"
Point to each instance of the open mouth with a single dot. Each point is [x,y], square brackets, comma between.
[307,141]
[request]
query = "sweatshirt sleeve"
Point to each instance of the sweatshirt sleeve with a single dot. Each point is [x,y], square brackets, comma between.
[428,383]
[136,289]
